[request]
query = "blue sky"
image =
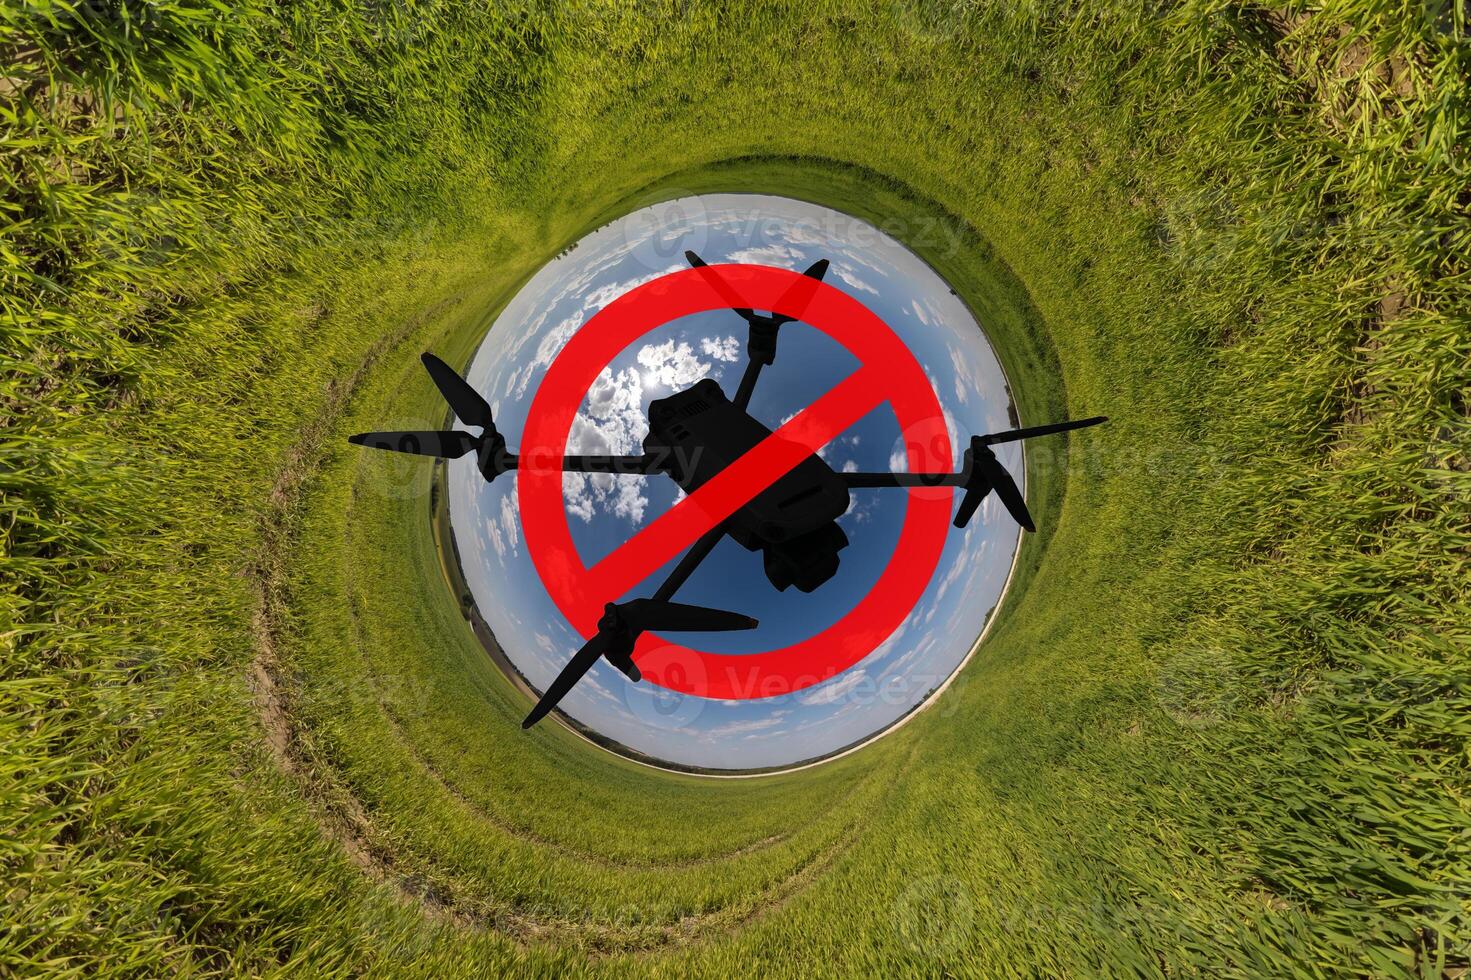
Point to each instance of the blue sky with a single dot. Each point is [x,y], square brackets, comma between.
[604,510]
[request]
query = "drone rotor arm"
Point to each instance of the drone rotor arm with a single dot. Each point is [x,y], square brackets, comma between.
[747,386]
[660,614]
[697,553]
[646,465]
[858,481]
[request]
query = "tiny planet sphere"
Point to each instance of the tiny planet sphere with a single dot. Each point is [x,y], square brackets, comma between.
[604,510]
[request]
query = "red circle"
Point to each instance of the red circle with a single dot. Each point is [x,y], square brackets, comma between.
[886,364]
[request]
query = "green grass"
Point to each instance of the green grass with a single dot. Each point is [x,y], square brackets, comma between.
[1220,728]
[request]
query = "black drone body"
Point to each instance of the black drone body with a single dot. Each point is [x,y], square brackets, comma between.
[793,522]
[694,435]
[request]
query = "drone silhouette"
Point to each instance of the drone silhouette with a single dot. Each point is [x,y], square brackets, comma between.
[694,434]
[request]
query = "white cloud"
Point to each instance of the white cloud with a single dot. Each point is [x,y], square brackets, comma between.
[859,512]
[887,647]
[898,665]
[721,348]
[808,231]
[497,540]
[832,691]
[773,254]
[615,395]
[967,375]
[671,365]
[628,497]
[504,529]
[899,456]
[744,727]
[551,342]
[603,295]
[576,496]
[510,512]
[850,277]
[958,567]
[612,425]
[591,685]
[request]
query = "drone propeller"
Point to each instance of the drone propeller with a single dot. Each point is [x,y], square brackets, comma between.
[469,407]
[444,444]
[984,472]
[715,282]
[797,297]
[801,292]
[1012,435]
[618,630]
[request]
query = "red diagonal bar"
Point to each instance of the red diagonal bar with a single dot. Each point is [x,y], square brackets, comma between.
[771,459]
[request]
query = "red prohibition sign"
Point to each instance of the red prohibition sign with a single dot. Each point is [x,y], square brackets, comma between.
[888,373]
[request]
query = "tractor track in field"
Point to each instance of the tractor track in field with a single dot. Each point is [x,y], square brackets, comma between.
[534,839]
[343,817]
[340,814]
[531,837]
[464,902]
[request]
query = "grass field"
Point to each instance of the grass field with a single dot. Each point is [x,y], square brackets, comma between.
[1221,726]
